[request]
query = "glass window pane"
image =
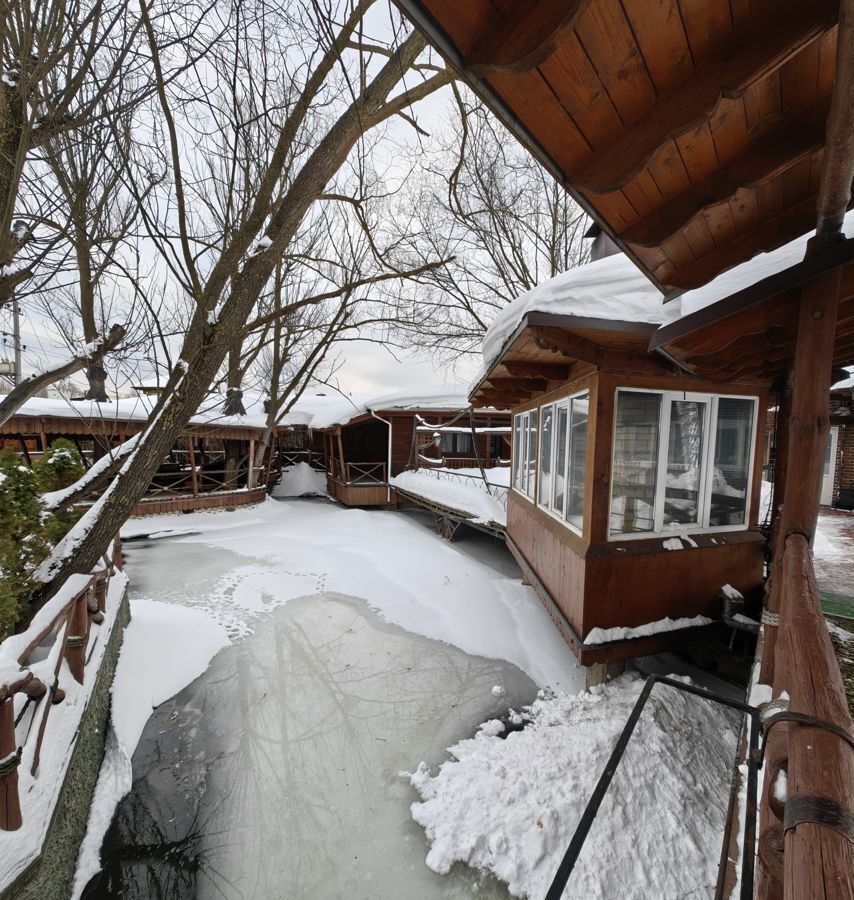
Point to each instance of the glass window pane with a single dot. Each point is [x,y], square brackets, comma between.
[635,462]
[517,450]
[532,452]
[733,434]
[684,462]
[577,461]
[545,472]
[560,459]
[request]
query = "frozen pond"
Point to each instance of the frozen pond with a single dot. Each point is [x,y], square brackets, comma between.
[275,774]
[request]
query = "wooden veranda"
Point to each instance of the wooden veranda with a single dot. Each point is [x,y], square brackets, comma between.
[697,135]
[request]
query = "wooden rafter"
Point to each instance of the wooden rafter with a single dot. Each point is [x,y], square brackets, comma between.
[522,385]
[778,151]
[525,369]
[750,54]
[524,37]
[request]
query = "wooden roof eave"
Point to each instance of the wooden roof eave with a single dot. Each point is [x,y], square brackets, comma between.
[439,38]
[560,322]
[666,338]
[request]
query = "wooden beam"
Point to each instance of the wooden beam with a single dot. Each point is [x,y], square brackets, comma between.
[525,35]
[549,371]
[766,236]
[745,57]
[567,344]
[837,169]
[779,150]
[521,385]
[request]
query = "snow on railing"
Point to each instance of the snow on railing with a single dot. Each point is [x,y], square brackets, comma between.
[498,491]
[31,664]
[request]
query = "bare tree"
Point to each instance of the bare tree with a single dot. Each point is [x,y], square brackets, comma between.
[487,203]
[344,92]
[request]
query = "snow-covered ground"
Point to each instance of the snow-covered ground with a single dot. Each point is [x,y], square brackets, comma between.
[283,550]
[833,553]
[505,807]
[461,489]
[301,480]
[510,804]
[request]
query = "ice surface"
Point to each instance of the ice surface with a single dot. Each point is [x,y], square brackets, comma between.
[276,772]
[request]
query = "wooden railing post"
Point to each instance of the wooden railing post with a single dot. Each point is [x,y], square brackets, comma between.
[10,804]
[118,562]
[75,643]
[193,475]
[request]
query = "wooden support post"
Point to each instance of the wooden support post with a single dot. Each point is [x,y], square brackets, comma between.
[250,468]
[75,643]
[118,562]
[10,805]
[193,477]
[341,457]
[781,466]
[43,440]
[101,592]
[809,421]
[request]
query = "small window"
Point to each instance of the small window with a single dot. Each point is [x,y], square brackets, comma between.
[577,461]
[456,443]
[562,460]
[731,476]
[524,452]
[546,439]
[635,468]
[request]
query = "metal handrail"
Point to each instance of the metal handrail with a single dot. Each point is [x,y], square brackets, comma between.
[754,763]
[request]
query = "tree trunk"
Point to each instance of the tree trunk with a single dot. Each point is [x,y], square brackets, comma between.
[96,375]
[206,344]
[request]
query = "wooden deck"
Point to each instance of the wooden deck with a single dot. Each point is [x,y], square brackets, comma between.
[153,506]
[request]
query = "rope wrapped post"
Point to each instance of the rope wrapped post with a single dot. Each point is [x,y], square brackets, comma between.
[10,804]
[75,643]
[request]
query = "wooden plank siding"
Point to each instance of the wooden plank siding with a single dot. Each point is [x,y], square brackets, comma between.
[599,583]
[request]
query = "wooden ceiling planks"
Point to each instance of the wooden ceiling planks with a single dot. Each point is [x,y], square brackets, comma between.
[643,107]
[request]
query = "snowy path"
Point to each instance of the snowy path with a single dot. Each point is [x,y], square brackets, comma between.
[290,583]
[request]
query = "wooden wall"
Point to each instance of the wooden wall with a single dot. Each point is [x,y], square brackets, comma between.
[595,582]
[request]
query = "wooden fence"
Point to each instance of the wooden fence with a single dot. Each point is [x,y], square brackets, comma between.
[806,842]
[62,627]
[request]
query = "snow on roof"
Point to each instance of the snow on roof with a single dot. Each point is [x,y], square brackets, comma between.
[609,288]
[138,409]
[324,411]
[845,384]
[763,265]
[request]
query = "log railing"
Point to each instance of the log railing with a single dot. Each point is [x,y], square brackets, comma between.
[201,481]
[806,842]
[30,669]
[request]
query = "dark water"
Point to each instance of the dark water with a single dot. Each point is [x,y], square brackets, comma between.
[275,774]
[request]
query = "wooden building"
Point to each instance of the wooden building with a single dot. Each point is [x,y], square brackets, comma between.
[698,136]
[367,442]
[208,467]
[635,487]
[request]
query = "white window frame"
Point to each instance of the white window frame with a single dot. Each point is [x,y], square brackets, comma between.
[564,403]
[707,474]
[523,476]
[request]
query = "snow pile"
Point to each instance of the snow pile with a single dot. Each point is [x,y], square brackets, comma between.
[465,494]
[301,480]
[660,626]
[165,648]
[610,288]
[509,806]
